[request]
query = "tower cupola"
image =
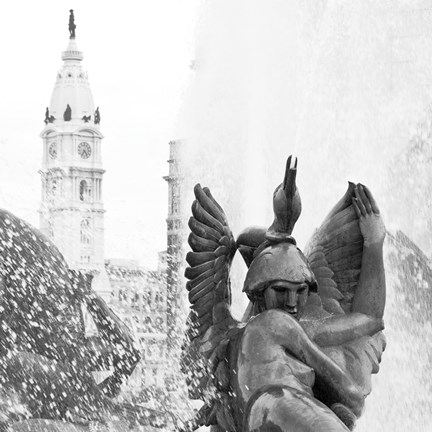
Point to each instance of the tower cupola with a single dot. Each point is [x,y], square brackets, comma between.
[72,100]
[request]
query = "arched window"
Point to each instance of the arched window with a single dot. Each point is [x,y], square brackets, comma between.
[147,323]
[159,300]
[82,190]
[52,189]
[159,324]
[85,232]
[136,299]
[149,300]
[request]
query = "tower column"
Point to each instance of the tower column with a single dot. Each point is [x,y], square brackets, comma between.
[174,242]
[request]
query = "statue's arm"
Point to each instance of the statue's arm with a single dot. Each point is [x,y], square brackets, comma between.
[338,384]
[341,329]
[369,299]
[370,294]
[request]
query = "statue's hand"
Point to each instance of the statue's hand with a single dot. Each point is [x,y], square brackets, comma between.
[370,220]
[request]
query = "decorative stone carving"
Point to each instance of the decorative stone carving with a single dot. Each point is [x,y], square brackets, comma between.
[72,25]
[97,117]
[67,116]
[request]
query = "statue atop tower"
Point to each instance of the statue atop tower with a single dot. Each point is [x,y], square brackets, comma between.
[72,25]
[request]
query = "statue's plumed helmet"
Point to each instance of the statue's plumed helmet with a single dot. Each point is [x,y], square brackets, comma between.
[278,262]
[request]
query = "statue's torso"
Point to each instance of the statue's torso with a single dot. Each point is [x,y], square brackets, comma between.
[262,361]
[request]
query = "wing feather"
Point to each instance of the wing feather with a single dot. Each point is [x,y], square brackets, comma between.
[205,277]
[223,251]
[320,263]
[323,272]
[196,258]
[332,306]
[207,316]
[335,254]
[328,290]
[193,272]
[209,205]
[204,217]
[200,244]
[342,218]
[217,205]
[345,276]
[347,234]
[352,262]
[203,230]
[200,291]
[220,262]
[205,301]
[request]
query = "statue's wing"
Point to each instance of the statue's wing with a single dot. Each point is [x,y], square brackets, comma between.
[335,254]
[210,324]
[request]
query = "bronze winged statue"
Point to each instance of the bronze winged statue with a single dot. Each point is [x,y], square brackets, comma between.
[302,357]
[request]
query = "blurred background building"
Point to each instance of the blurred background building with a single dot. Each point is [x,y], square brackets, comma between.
[72,216]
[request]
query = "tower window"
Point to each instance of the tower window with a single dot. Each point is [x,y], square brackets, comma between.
[159,300]
[53,188]
[84,191]
[159,324]
[148,325]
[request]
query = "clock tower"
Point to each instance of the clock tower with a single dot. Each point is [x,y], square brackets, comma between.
[72,211]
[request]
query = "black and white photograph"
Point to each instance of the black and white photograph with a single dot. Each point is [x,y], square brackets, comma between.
[216,215]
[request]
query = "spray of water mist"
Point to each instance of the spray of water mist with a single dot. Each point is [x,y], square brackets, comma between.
[310,79]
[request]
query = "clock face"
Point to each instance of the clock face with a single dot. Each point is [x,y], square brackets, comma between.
[52,150]
[84,150]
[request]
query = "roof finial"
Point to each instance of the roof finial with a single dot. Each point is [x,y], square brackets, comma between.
[72,25]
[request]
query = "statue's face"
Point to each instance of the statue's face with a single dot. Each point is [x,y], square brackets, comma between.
[288,296]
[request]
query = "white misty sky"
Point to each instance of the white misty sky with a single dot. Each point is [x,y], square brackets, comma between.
[340,83]
[137,55]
